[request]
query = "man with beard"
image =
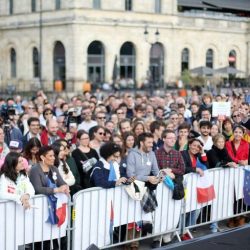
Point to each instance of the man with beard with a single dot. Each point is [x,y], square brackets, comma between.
[142,165]
[205,129]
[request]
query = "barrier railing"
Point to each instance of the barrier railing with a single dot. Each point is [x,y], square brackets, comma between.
[19,227]
[109,217]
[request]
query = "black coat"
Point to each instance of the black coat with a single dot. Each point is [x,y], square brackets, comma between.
[218,157]
[188,162]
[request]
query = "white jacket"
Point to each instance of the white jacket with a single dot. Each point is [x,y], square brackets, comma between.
[9,190]
[69,177]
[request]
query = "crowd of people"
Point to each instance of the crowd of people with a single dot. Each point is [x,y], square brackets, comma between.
[92,140]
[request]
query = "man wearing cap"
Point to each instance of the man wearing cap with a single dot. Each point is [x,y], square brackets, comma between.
[16,146]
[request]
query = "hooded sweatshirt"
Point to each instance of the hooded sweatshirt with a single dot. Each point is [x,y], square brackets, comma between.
[141,165]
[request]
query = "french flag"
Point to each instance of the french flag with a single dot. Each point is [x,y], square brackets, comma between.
[205,188]
[111,222]
[61,208]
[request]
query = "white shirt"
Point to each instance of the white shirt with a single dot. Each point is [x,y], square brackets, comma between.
[208,144]
[9,190]
[87,125]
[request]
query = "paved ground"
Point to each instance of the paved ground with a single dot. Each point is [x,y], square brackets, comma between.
[198,232]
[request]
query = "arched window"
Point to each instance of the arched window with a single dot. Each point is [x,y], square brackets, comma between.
[33,5]
[58,4]
[96,63]
[184,59]
[210,58]
[12,63]
[59,63]
[127,64]
[128,5]
[35,59]
[157,64]
[232,58]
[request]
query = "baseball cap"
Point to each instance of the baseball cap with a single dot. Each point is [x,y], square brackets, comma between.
[16,144]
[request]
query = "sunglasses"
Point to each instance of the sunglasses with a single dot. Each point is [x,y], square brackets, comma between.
[101,133]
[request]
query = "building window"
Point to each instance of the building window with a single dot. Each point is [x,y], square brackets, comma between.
[33,5]
[12,63]
[97,4]
[184,59]
[127,65]
[59,64]
[128,5]
[96,63]
[157,65]
[209,58]
[232,58]
[36,70]
[11,7]
[157,6]
[58,4]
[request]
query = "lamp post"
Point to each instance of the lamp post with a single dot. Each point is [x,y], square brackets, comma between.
[40,44]
[149,71]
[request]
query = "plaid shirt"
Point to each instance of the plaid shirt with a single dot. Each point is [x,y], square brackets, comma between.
[172,159]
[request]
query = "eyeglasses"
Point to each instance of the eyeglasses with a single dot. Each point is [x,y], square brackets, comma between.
[84,138]
[48,113]
[101,118]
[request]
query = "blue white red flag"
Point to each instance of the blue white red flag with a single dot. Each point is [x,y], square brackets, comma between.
[246,187]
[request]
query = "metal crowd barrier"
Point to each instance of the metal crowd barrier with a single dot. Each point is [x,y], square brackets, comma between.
[109,217]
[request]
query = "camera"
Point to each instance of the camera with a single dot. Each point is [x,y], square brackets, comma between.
[6,112]
[69,118]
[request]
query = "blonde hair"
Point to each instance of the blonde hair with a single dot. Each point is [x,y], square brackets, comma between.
[217,137]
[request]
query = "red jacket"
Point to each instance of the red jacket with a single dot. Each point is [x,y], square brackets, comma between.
[45,139]
[242,153]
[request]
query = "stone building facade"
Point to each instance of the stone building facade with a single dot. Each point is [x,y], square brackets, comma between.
[79,40]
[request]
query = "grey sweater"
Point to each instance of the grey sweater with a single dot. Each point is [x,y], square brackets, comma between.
[39,180]
[141,165]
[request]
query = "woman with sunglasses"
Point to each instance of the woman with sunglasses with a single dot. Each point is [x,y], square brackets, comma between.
[97,135]
[82,154]
[47,115]
[236,117]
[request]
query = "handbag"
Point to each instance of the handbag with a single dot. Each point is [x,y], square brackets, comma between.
[168,182]
[136,190]
[178,192]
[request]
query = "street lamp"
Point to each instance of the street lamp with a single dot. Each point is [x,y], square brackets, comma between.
[149,72]
[40,44]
